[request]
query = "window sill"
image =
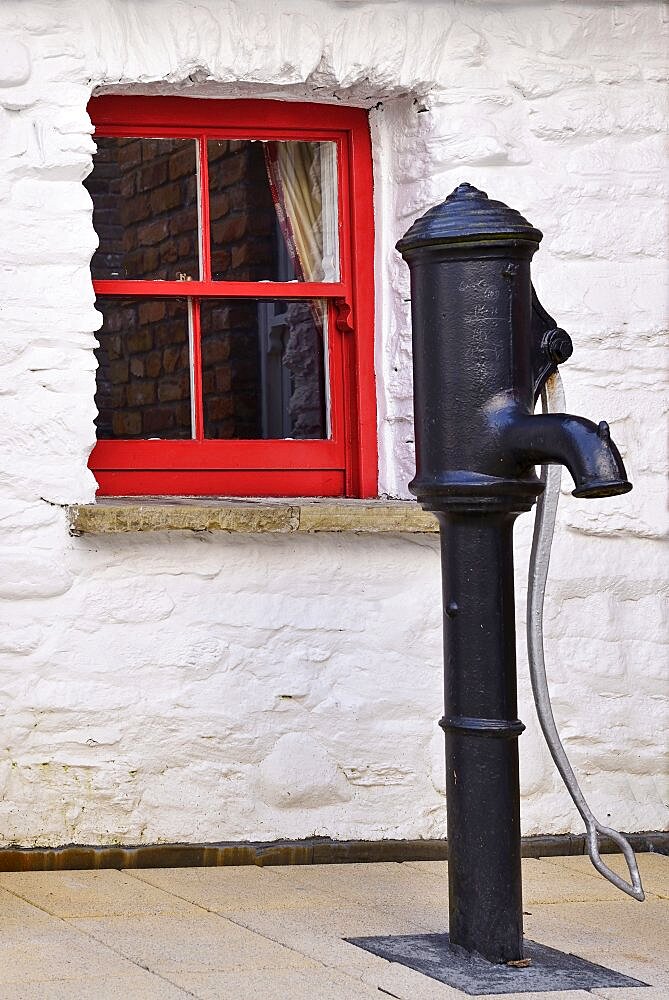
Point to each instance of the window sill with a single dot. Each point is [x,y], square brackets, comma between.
[120,515]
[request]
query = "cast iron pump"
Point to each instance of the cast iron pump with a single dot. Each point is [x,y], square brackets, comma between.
[483,348]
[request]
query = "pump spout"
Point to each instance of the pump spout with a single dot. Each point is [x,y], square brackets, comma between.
[584,447]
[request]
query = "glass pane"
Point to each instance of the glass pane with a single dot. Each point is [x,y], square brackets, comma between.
[263,368]
[143,378]
[273,210]
[145,208]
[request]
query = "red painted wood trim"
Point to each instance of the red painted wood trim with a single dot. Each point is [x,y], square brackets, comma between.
[222,289]
[203,208]
[208,454]
[309,467]
[227,483]
[250,117]
[360,348]
[196,380]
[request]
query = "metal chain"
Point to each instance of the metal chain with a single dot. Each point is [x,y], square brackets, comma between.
[553,400]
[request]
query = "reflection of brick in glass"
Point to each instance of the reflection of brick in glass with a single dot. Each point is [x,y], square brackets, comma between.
[263,369]
[144,195]
[144,375]
[245,238]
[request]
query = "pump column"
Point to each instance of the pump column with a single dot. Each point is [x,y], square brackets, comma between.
[471,317]
[481,729]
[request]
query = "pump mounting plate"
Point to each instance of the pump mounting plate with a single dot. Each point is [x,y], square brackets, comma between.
[551,970]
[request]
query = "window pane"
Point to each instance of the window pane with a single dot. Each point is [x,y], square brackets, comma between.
[273,209]
[143,378]
[145,208]
[263,368]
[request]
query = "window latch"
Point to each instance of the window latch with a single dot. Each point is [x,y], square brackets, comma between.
[344,316]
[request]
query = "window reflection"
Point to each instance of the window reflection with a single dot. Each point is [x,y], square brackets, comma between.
[145,208]
[143,377]
[273,208]
[263,368]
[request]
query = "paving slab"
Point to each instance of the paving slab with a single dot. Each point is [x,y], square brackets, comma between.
[281,984]
[139,986]
[277,933]
[654,869]
[14,910]
[90,893]
[224,890]
[206,942]
[642,993]
[36,952]
[321,938]
[627,936]
[396,887]
[544,881]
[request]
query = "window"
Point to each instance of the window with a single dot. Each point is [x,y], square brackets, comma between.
[234,275]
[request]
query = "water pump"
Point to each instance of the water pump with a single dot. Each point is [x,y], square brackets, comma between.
[484,351]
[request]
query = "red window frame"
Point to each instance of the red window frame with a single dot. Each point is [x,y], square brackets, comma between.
[346,463]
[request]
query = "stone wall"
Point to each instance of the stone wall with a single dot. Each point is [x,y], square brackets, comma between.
[199,687]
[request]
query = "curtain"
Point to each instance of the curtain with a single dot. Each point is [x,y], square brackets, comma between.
[302,178]
[303,181]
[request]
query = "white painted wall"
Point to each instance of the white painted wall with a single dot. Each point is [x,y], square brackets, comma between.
[205,688]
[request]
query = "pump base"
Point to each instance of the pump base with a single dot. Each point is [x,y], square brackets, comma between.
[433,956]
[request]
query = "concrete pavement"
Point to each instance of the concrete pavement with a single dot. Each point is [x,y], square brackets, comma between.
[245,933]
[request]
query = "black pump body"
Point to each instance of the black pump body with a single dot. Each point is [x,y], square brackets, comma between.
[483,347]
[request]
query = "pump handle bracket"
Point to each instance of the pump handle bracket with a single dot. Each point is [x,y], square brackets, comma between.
[551,345]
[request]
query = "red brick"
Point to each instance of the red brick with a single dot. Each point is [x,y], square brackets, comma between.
[164,198]
[135,209]
[220,262]
[189,192]
[169,333]
[157,419]
[183,414]
[216,149]
[223,379]
[171,389]
[154,365]
[152,175]
[226,171]
[140,341]
[128,186]
[118,370]
[219,408]
[151,311]
[118,396]
[245,256]
[182,162]
[129,152]
[171,359]
[214,350]
[184,221]
[113,347]
[219,205]
[228,230]
[141,393]
[126,424]
[153,232]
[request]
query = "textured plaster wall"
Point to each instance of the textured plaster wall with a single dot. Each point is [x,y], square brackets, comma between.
[199,687]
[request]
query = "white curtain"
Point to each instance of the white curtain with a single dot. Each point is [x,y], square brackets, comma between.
[303,181]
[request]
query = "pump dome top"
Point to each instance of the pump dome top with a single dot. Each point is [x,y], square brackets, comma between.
[468,215]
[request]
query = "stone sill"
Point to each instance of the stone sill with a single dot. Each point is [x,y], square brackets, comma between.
[249,516]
